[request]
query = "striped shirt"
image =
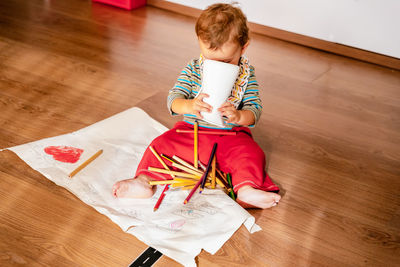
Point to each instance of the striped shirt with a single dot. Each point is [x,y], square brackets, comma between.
[188,85]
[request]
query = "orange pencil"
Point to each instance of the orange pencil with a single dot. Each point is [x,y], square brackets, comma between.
[206,132]
[161,198]
[83,165]
[195,137]
[213,167]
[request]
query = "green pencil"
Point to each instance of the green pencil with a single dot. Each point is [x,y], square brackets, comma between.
[228,177]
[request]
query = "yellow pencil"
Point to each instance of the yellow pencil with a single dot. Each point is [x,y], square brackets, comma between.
[83,165]
[181,161]
[219,182]
[186,187]
[186,180]
[162,182]
[178,184]
[186,169]
[173,181]
[160,159]
[213,167]
[196,128]
[223,177]
[182,174]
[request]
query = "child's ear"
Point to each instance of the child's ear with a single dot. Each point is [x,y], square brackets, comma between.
[245,47]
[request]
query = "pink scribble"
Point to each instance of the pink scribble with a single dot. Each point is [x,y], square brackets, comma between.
[177,224]
[64,153]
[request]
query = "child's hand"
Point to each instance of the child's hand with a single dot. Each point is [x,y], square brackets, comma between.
[228,110]
[198,105]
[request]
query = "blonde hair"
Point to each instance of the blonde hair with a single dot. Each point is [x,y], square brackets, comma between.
[222,23]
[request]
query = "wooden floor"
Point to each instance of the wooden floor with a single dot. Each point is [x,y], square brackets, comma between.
[330,129]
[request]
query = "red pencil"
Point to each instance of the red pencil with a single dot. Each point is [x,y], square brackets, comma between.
[192,192]
[161,198]
[206,132]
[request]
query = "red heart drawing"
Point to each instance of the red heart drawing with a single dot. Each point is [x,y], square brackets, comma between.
[64,153]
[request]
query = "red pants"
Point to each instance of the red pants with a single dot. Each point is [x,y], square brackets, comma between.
[237,154]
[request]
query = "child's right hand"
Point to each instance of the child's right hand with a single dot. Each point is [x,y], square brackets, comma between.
[197,105]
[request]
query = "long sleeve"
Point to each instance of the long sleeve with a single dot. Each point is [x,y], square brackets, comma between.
[185,86]
[251,98]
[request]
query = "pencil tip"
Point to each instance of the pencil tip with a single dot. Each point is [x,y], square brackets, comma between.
[184,202]
[155,209]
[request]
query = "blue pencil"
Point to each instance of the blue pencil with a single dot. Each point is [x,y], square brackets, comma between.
[205,174]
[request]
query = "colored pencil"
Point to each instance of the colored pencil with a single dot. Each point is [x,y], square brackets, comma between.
[162,182]
[223,177]
[167,158]
[187,179]
[161,198]
[221,183]
[206,132]
[226,185]
[202,166]
[213,167]
[173,181]
[187,187]
[228,177]
[186,169]
[182,174]
[219,180]
[204,177]
[179,184]
[192,192]
[183,179]
[160,159]
[195,141]
[181,161]
[84,164]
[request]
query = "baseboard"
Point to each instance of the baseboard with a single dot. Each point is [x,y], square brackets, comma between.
[327,46]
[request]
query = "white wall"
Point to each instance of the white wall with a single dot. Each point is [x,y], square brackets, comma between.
[372,25]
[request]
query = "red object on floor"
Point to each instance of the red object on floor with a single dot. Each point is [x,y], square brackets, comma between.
[126,4]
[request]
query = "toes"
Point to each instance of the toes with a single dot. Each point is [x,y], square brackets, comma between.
[277,198]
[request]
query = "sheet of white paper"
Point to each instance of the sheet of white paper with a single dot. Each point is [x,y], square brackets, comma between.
[179,231]
[217,81]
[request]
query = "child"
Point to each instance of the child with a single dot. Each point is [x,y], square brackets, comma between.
[223,36]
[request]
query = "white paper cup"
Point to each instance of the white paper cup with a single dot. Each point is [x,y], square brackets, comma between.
[217,81]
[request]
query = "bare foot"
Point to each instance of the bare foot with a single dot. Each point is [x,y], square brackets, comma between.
[249,197]
[133,188]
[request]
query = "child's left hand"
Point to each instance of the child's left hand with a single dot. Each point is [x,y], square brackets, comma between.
[228,110]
